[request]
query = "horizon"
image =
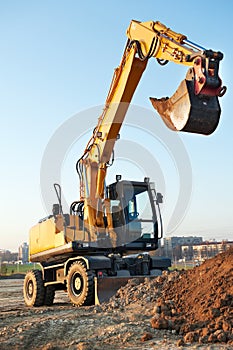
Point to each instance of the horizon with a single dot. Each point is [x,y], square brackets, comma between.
[210,240]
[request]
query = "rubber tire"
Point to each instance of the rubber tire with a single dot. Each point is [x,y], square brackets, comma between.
[49,295]
[33,288]
[80,284]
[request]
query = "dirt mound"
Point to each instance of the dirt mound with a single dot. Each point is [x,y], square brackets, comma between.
[196,304]
[203,298]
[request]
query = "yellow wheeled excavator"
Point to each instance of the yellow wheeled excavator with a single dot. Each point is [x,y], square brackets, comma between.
[107,237]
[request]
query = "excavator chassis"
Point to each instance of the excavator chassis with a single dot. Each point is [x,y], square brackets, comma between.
[91,279]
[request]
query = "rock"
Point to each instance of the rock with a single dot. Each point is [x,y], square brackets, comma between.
[180,342]
[157,309]
[165,310]
[190,337]
[173,312]
[205,332]
[114,305]
[48,346]
[97,309]
[84,346]
[212,338]
[160,323]
[146,336]
[203,339]
[221,336]
[214,312]
[226,326]
[218,324]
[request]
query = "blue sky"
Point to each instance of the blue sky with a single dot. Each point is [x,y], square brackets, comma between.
[57,59]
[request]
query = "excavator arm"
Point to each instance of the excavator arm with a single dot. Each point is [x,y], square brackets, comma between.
[193,108]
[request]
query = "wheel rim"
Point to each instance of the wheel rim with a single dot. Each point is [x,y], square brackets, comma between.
[77,284]
[30,289]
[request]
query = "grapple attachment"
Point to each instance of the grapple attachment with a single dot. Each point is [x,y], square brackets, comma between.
[187,111]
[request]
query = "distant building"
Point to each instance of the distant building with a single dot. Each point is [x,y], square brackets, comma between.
[23,253]
[172,245]
[205,250]
[8,256]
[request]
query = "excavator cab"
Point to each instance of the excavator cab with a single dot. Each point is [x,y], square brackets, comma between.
[135,214]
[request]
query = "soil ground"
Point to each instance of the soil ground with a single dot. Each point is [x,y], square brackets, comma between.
[181,310]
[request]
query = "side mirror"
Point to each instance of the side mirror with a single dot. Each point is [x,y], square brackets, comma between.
[56,209]
[159,198]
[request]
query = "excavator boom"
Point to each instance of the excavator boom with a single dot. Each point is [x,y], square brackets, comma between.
[193,108]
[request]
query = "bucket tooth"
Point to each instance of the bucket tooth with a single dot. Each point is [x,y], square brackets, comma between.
[185,111]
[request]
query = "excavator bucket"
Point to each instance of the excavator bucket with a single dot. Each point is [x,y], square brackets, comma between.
[186,111]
